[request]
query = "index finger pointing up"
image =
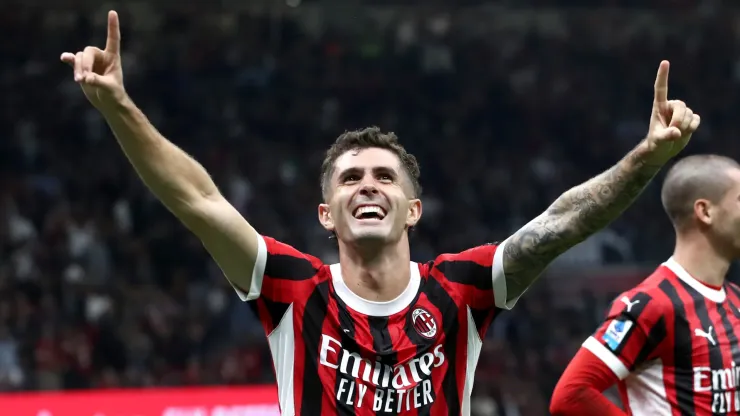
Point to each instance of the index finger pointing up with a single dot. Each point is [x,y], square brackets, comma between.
[113,44]
[661,82]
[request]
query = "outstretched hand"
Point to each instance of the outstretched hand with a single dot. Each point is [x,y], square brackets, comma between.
[671,124]
[99,71]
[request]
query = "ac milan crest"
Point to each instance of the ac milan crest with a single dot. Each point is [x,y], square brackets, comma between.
[424,323]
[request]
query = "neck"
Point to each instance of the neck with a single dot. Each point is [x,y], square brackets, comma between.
[378,274]
[694,252]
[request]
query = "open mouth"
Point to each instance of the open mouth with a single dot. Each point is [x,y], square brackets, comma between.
[369,212]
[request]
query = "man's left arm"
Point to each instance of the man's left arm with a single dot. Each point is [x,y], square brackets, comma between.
[591,206]
[573,217]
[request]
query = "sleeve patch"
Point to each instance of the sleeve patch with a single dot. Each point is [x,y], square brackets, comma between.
[617,331]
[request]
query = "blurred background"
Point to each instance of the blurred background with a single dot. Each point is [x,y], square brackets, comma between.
[506,104]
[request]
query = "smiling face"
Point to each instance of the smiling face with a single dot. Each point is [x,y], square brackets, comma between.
[370,198]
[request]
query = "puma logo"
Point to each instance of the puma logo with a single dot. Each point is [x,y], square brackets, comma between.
[629,304]
[708,335]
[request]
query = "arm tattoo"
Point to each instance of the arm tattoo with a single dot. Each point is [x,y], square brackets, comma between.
[573,217]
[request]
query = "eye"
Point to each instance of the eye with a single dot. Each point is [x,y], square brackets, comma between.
[386,178]
[351,178]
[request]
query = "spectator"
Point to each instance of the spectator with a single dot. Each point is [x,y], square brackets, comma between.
[101,287]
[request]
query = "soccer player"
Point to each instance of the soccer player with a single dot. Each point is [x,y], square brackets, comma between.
[671,343]
[376,333]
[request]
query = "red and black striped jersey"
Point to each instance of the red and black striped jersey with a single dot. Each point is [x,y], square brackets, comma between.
[335,353]
[672,341]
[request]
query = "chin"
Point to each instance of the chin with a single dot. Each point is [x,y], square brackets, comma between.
[370,236]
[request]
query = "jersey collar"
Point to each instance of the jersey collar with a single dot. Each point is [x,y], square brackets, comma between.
[372,308]
[714,295]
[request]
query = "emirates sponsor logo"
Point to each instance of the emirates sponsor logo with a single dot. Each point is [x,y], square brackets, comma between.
[722,384]
[400,388]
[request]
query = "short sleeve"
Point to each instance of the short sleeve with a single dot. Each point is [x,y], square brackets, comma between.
[477,275]
[632,333]
[281,276]
[277,269]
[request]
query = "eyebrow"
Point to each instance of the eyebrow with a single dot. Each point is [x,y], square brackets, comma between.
[377,169]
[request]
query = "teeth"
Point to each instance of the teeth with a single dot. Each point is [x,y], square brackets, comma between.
[374,209]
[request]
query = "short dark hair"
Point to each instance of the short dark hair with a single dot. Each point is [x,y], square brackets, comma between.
[692,178]
[364,139]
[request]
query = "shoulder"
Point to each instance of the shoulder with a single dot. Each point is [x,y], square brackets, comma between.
[734,288]
[480,255]
[647,302]
[466,267]
[284,261]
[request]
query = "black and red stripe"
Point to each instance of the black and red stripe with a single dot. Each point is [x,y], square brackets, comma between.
[355,345]
[314,398]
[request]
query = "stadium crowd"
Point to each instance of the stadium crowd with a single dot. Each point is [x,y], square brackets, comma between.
[101,287]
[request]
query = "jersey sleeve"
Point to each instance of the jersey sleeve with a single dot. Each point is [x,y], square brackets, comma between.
[632,333]
[579,390]
[281,276]
[477,275]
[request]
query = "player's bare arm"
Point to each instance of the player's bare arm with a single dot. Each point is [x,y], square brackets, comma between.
[176,179]
[589,207]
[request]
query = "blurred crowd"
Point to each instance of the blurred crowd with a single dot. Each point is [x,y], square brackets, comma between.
[101,287]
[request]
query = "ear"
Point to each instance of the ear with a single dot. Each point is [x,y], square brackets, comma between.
[414,213]
[325,217]
[703,211]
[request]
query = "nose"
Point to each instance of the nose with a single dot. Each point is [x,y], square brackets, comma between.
[368,189]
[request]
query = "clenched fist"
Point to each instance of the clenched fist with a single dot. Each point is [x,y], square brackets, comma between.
[99,71]
[671,123]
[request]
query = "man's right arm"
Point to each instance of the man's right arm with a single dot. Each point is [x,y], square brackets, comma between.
[632,334]
[186,189]
[173,176]
[580,389]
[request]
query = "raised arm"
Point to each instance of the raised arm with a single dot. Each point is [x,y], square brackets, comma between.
[181,183]
[587,208]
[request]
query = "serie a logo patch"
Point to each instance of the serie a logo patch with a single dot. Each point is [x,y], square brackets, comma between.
[616,332]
